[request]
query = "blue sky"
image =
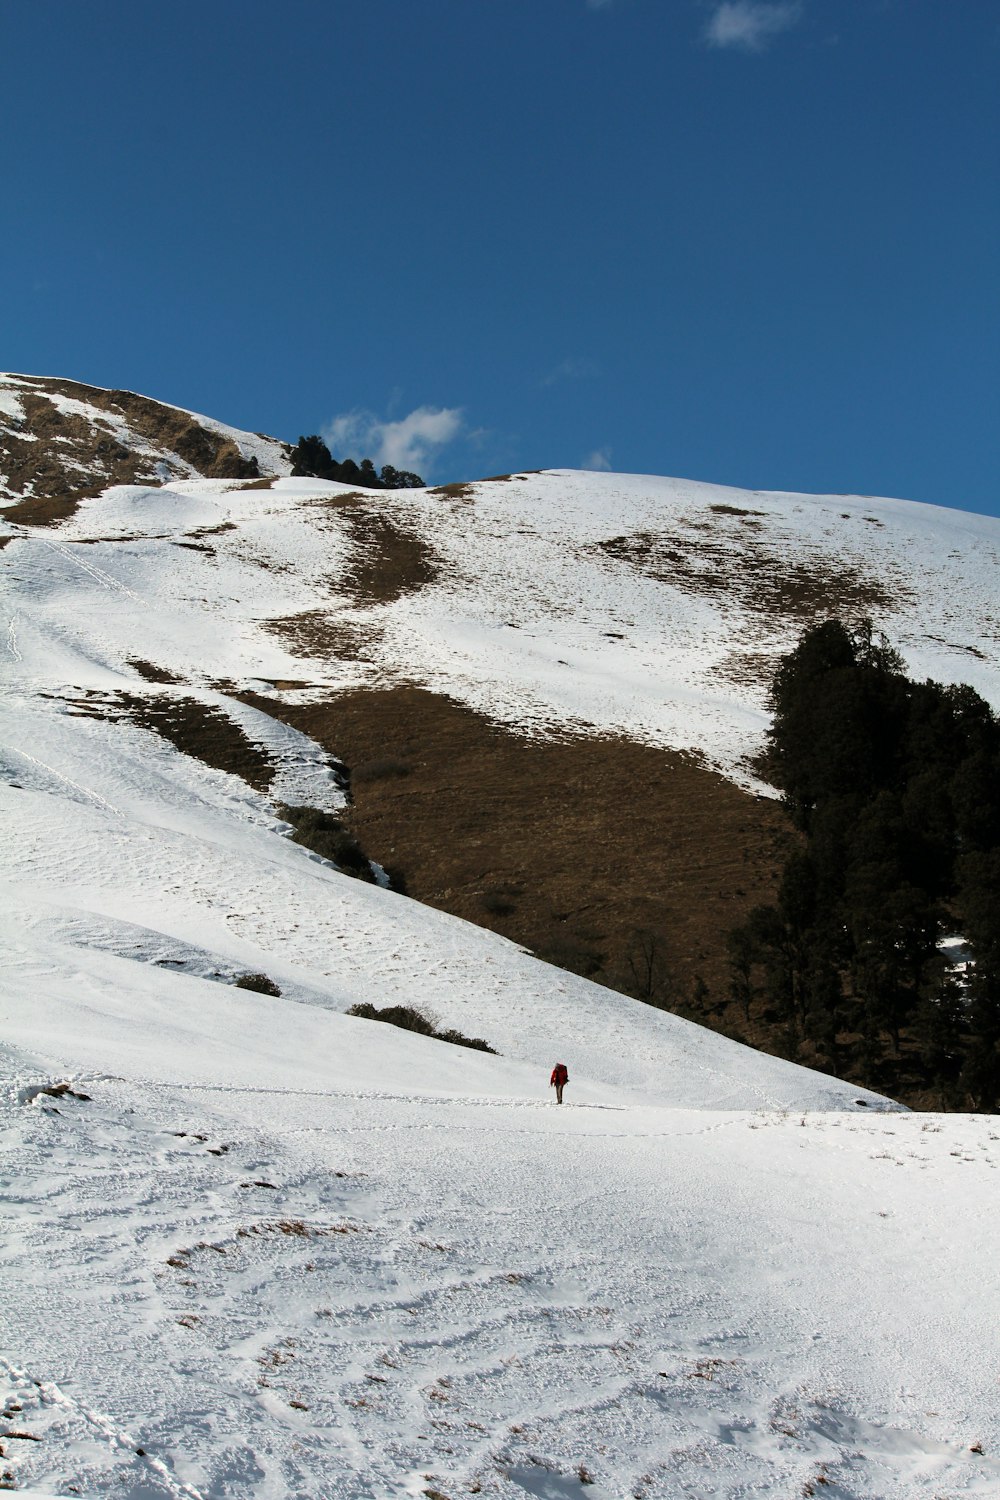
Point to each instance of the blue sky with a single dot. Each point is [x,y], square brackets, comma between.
[751,243]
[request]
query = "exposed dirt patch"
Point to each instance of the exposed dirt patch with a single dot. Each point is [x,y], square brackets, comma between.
[52,459]
[151,672]
[49,453]
[751,572]
[48,510]
[211,453]
[337,502]
[215,530]
[202,732]
[462,491]
[319,635]
[390,561]
[735,510]
[749,668]
[566,847]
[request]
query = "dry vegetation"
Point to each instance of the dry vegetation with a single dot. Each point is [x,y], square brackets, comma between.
[51,460]
[458,491]
[190,726]
[729,560]
[202,732]
[389,561]
[320,636]
[569,847]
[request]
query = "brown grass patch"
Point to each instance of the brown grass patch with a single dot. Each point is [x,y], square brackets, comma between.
[390,561]
[54,459]
[204,733]
[321,636]
[565,847]
[211,453]
[215,530]
[298,1229]
[151,672]
[337,502]
[48,510]
[457,491]
[753,573]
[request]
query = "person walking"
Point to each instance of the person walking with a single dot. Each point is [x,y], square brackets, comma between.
[559,1080]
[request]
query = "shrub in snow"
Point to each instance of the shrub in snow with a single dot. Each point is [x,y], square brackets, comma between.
[408,1018]
[259,983]
[326,835]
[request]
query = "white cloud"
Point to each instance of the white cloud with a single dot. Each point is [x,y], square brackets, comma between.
[406,444]
[751,24]
[571,369]
[599,460]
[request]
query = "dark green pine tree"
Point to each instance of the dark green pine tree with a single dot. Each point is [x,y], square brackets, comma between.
[895,787]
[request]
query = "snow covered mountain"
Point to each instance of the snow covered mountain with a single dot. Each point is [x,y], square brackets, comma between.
[61,440]
[260,1247]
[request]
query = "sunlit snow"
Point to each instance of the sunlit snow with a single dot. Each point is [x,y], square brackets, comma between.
[259,1248]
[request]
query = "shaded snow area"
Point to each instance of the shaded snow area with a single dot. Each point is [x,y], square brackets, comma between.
[254,1247]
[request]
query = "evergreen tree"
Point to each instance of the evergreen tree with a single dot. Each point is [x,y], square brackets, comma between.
[311,457]
[895,787]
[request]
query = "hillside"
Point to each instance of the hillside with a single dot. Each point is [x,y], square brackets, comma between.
[261,1247]
[549,690]
[62,441]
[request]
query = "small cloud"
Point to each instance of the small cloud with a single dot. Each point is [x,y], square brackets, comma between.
[571,369]
[751,24]
[599,4]
[408,443]
[599,460]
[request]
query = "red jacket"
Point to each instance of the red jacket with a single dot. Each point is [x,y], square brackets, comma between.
[560,1074]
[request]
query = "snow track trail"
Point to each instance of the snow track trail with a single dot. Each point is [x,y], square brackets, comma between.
[73,1421]
[256,1247]
[313,1311]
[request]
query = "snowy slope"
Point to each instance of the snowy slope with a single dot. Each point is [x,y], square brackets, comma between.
[285,1252]
[590,603]
[60,436]
[279,1251]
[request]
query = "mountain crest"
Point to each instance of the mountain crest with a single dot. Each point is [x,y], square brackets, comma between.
[62,441]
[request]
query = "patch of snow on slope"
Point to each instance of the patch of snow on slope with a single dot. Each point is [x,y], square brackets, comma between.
[260,1247]
[528,617]
[271,455]
[10,402]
